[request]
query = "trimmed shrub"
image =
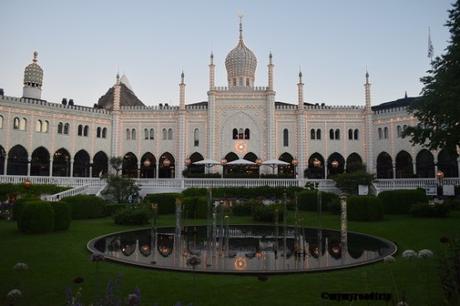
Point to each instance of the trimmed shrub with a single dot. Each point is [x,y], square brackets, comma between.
[332,202]
[364,208]
[132,216]
[166,201]
[401,201]
[308,200]
[111,209]
[427,210]
[195,207]
[194,192]
[86,206]
[19,206]
[266,213]
[36,217]
[62,215]
[453,204]
[349,182]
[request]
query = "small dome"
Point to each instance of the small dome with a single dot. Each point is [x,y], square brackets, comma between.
[33,74]
[241,64]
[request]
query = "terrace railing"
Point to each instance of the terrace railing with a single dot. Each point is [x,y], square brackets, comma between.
[66,193]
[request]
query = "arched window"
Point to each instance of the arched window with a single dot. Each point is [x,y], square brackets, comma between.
[318,134]
[80,130]
[146,134]
[38,126]
[66,128]
[104,133]
[312,134]
[128,134]
[133,134]
[59,128]
[285,137]
[380,133]
[240,134]
[23,124]
[45,126]
[196,137]
[16,123]
[152,132]
[246,134]
[398,131]
[235,134]
[1,122]
[385,132]
[85,130]
[356,134]
[98,132]
[403,129]
[331,134]
[337,134]
[350,134]
[170,134]
[165,134]
[247,82]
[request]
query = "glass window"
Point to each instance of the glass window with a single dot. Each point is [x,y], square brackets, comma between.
[1,122]
[170,134]
[23,124]
[235,133]
[146,134]
[246,134]
[385,132]
[196,138]
[318,134]
[45,126]
[165,134]
[133,134]
[85,130]
[38,126]
[380,133]
[312,134]
[356,134]
[337,134]
[128,134]
[285,137]
[59,128]
[66,128]
[350,134]
[152,134]
[104,132]
[331,134]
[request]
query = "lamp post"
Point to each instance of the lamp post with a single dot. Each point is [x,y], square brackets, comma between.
[316,163]
[258,163]
[166,164]
[335,165]
[223,162]
[440,176]
[295,162]
[188,162]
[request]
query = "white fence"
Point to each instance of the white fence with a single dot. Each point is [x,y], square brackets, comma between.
[61,181]
[66,193]
[391,184]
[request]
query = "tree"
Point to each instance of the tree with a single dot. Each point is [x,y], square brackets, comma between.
[116,163]
[120,188]
[438,110]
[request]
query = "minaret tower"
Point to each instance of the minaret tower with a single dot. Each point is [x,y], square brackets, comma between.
[182,92]
[116,124]
[368,146]
[181,144]
[212,73]
[270,72]
[33,80]
[300,91]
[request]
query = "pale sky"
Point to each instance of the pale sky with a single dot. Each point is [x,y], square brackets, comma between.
[82,45]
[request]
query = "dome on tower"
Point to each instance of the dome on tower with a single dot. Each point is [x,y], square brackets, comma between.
[241,64]
[33,74]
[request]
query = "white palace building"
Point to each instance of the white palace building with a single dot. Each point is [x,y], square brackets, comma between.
[47,140]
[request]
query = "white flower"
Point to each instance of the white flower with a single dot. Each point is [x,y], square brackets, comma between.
[14,294]
[425,253]
[20,266]
[409,254]
[389,259]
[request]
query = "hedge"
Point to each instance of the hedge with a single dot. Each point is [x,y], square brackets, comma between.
[245,193]
[266,213]
[62,215]
[132,216]
[86,206]
[427,210]
[308,200]
[244,208]
[401,201]
[36,217]
[195,207]
[364,208]
[166,201]
[111,209]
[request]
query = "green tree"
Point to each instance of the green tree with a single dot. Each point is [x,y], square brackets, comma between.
[438,111]
[116,163]
[119,188]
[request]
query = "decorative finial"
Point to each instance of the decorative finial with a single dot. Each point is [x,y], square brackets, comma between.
[182,76]
[35,56]
[300,74]
[405,94]
[270,56]
[367,76]
[241,26]
[212,58]
[118,77]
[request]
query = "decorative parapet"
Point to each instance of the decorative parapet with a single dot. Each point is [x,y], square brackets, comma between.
[391,110]
[334,107]
[43,103]
[286,107]
[241,88]
[157,108]
[196,107]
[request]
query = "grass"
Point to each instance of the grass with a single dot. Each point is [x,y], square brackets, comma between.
[55,259]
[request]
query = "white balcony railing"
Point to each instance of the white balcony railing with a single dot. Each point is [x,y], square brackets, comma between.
[67,193]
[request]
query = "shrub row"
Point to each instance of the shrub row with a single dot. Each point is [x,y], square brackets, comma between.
[308,200]
[267,213]
[432,211]
[364,208]
[195,207]
[246,193]
[166,201]
[401,201]
[38,216]
[138,215]
[86,206]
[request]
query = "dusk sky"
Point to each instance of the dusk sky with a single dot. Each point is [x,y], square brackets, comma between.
[82,44]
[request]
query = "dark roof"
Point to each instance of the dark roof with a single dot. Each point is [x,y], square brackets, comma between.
[203,103]
[406,101]
[127,98]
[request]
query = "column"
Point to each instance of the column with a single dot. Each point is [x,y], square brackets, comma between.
[29,163]
[5,165]
[51,167]
[156,169]
[138,169]
[71,168]
[90,168]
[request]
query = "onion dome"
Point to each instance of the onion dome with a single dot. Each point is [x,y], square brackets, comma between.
[33,74]
[241,64]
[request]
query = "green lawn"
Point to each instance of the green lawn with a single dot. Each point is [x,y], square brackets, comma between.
[56,259]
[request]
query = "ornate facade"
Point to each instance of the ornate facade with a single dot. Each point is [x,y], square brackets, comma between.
[239,121]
